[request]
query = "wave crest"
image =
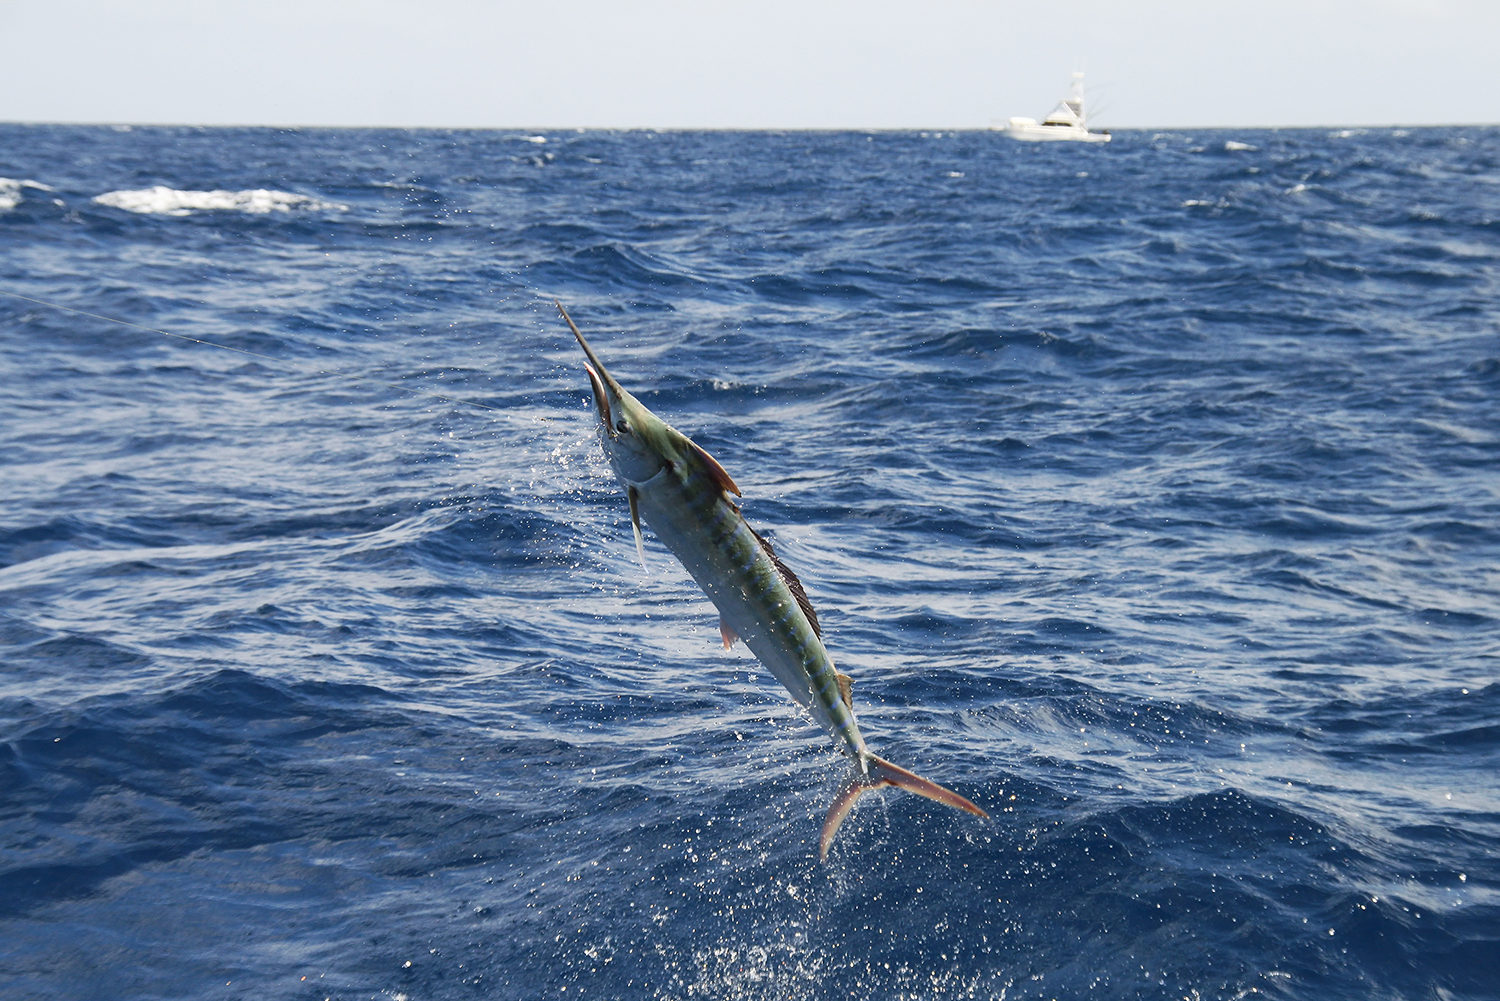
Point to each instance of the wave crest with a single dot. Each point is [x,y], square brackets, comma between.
[12,191]
[162,200]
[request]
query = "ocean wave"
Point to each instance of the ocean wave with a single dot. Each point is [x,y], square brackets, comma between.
[162,200]
[12,191]
[1164,533]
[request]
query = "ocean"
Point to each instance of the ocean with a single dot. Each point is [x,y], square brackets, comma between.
[1149,492]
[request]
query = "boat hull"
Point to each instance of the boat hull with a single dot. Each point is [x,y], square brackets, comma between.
[1055,133]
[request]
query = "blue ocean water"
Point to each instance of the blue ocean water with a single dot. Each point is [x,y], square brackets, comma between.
[1150,493]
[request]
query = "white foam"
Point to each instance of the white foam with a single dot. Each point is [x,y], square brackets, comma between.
[1233,146]
[162,200]
[12,191]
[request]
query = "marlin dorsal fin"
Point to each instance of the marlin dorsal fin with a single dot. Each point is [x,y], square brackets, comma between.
[715,471]
[792,584]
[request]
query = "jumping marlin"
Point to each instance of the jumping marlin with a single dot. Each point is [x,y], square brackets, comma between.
[683,493]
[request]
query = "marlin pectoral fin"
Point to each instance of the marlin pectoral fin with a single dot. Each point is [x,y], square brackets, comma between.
[883,773]
[635,525]
[727,634]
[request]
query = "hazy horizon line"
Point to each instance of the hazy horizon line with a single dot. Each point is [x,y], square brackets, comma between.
[726,128]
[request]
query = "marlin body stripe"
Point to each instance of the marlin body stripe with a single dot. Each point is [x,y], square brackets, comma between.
[684,495]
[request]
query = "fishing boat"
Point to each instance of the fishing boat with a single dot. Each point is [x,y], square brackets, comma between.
[1067,122]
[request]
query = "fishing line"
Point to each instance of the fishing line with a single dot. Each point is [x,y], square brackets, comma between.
[419,393]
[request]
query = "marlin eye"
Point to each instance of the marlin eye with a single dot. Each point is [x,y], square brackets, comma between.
[622,427]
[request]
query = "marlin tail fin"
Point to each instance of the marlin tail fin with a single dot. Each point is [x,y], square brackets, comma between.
[882,773]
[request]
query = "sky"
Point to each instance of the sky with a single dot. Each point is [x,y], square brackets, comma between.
[780,64]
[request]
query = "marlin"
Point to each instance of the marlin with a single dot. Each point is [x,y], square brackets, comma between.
[684,495]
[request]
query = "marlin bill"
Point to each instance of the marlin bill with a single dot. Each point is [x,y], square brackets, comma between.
[685,496]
